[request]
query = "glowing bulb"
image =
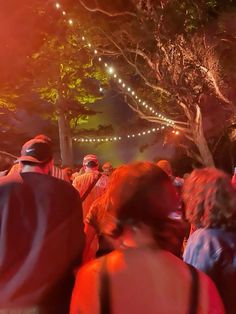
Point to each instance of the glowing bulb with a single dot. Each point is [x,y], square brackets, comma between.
[133,93]
[100,89]
[89,45]
[64,12]
[139,100]
[120,81]
[58,5]
[177,132]
[144,103]
[115,76]
[110,70]
[99,59]
[70,22]
[136,97]
[144,133]
[149,131]
[123,84]
[128,136]
[128,89]
[105,64]
[95,51]
[83,38]
[162,127]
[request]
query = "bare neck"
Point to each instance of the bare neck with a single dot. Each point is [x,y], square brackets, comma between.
[35,168]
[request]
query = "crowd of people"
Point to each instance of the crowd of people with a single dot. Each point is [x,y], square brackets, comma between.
[135,239]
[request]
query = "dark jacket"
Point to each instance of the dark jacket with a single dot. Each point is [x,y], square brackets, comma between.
[41,240]
[214,252]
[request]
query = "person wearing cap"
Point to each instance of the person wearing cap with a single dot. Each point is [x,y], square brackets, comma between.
[107,168]
[42,235]
[54,171]
[84,183]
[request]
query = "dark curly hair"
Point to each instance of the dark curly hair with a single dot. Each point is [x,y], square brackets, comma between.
[142,193]
[210,199]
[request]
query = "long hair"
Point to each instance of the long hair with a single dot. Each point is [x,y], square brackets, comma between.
[140,193]
[210,199]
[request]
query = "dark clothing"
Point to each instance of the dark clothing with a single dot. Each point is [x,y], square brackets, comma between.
[41,240]
[214,252]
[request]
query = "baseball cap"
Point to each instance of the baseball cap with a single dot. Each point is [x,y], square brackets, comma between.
[107,166]
[44,138]
[36,151]
[90,158]
[165,166]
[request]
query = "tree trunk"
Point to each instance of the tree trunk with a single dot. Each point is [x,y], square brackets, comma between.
[200,140]
[65,139]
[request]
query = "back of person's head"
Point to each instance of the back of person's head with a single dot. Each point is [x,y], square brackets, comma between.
[140,193]
[107,168]
[36,152]
[165,166]
[210,199]
[90,161]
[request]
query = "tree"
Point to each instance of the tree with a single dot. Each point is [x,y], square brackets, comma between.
[57,76]
[68,79]
[168,47]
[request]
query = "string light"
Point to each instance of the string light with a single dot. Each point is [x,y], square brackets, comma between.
[110,70]
[120,81]
[175,132]
[117,138]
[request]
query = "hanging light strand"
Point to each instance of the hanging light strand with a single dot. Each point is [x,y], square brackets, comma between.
[111,71]
[119,138]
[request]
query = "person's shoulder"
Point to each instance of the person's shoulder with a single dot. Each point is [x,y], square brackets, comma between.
[83,176]
[60,183]
[10,180]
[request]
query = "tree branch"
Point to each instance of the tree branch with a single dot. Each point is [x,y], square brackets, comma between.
[100,10]
[215,85]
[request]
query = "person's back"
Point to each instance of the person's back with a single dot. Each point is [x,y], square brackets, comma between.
[210,201]
[143,280]
[84,183]
[213,251]
[41,239]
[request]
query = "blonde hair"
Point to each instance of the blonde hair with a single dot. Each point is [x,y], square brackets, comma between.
[210,199]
